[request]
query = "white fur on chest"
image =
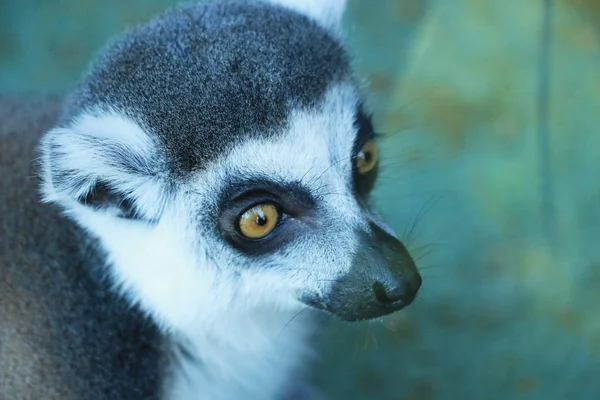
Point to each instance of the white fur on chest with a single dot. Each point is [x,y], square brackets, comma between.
[246,346]
[247,356]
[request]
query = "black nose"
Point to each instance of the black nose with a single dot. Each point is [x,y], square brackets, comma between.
[383,279]
[398,295]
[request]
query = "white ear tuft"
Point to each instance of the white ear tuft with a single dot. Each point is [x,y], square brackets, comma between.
[105,159]
[328,13]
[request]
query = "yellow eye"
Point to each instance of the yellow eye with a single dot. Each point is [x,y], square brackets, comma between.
[259,221]
[367,157]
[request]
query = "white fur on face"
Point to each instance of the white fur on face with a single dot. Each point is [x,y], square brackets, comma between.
[233,310]
[315,150]
[328,13]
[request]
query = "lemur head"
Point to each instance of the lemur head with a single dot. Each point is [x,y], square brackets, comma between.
[222,157]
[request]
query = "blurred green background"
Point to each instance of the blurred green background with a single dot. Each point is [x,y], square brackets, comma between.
[504,220]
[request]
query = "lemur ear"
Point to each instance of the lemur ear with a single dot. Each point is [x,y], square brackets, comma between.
[328,13]
[104,162]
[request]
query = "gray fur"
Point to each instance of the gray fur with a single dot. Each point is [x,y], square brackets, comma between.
[146,291]
[198,78]
[201,76]
[59,321]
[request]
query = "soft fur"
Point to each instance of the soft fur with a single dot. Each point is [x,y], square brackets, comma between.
[136,294]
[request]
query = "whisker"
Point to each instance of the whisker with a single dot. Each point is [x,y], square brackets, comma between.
[306,173]
[420,256]
[425,208]
[350,196]
[291,319]
[320,325]
[328,168]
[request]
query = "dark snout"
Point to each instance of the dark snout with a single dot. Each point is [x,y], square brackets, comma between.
[383,279]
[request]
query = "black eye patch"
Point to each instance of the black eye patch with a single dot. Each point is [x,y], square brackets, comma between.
[363,183]
[364,126]
[295,204]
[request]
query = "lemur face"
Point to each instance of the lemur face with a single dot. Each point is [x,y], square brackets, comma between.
[294,208]
[228,166]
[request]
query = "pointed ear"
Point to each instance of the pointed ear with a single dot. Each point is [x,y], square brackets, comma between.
[105,162]
[328,13]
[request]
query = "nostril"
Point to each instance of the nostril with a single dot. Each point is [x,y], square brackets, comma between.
[387,297]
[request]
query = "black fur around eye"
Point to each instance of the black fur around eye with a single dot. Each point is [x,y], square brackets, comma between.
[257,229]
[102,196]
[364,125]
[365,171]
[289,209]
[364,183]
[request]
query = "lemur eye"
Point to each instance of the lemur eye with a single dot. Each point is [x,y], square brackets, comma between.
[258,221]
[367,157]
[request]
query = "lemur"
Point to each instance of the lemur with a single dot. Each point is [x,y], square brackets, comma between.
[164,227]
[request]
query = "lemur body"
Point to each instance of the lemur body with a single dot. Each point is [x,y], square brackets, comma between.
[205,184]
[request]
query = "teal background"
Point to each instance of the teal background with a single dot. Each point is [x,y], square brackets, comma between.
[508,244]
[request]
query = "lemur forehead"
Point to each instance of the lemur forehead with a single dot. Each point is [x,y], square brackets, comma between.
[203,77]
[315,147]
